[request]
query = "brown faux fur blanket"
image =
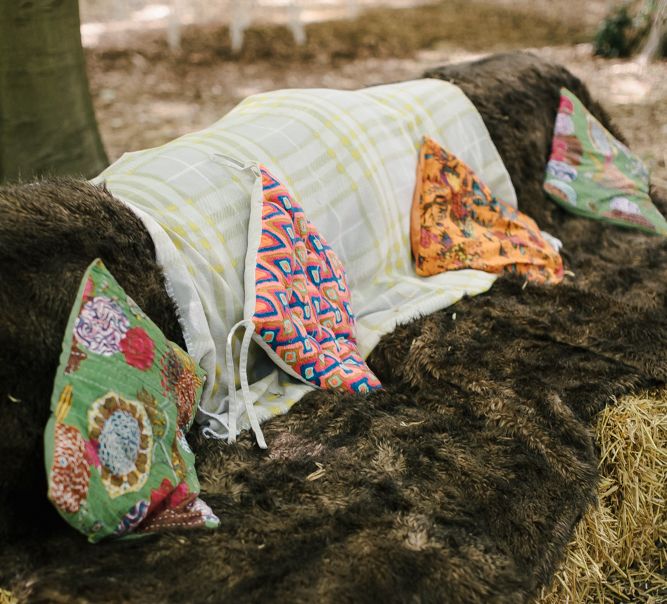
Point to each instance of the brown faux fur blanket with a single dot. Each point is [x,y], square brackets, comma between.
[461,482]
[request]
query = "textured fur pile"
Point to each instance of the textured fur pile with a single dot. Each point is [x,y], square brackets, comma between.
[461,482]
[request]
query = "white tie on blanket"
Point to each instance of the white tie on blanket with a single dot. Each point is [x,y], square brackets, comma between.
[349,158]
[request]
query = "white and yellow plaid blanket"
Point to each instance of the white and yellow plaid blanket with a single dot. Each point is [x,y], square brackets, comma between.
[349,157]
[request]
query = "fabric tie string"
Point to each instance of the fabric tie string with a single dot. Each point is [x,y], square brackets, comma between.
[245,387]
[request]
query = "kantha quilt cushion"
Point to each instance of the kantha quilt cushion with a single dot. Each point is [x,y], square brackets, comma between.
[302,311]
[593,174]
[117,459]
[457,223]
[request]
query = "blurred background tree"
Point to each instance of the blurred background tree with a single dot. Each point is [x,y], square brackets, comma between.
[47,122]
[638,26]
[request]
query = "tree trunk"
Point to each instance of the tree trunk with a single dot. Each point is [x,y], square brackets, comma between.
[47,121]
[656,37]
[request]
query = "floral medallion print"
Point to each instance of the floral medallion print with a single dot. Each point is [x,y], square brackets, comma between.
[89,289]
[593,174]
[133,518]
[179,376]
[561,191]
[70,474]
[183,442]
[64,403]
[157,417]
[622,208]
[599,137]
[187,387]
[138,348]
[135,309]
[121,387]
[124,438]
[561,170]
[171,369]
[75,357]
[177,461]
[564,125]
[101,325]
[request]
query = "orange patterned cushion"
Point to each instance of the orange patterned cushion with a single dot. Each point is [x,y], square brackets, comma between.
[457,223]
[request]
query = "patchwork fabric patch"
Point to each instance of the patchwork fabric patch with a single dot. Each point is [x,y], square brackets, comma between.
[457,223]
[117,459]
[592,174]
[302,301]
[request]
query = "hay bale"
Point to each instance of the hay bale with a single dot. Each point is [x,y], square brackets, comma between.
[619,548]
[6,597]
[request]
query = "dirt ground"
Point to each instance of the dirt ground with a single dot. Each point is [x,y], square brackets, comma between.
[145,96]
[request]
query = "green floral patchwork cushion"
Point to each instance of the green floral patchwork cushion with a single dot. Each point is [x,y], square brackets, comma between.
[116,455]
[593,174]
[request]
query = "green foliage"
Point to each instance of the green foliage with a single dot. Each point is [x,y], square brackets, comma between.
[615,38]
[625,30]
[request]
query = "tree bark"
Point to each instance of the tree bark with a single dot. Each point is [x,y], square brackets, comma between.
[47,121]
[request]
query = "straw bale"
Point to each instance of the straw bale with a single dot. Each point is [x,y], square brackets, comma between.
[6,597]
[619,552]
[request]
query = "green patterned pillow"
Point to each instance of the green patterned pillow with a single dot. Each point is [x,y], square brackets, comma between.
[116,455]
[593,174]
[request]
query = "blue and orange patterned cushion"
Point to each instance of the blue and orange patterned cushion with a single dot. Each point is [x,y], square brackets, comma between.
[302,300]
